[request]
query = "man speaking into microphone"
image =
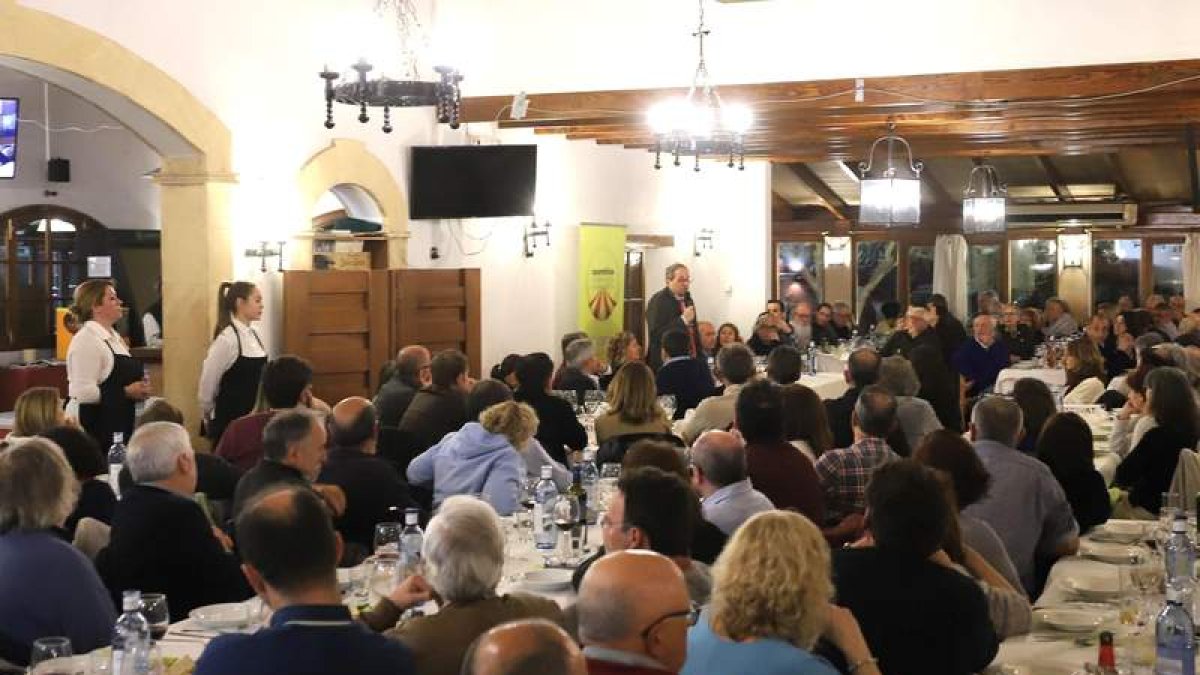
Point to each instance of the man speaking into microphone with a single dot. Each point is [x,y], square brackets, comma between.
[671,308]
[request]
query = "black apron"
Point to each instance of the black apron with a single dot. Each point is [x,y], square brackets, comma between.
[238,389]
[114,413]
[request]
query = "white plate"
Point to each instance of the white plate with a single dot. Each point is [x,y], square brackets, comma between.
[1071,619]
[1094,586]
[1120,531]
[547,580]
[1117,554]
[224,616]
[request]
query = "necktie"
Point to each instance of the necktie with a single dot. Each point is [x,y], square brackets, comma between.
[691,334]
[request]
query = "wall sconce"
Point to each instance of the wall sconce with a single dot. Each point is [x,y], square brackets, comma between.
[536,234]
[1073,248]
[837,250]
[267,250]
[702,240]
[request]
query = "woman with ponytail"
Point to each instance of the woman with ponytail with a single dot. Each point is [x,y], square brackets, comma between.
[103,380]
[231,372]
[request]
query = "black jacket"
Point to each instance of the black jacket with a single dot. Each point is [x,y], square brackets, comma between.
[558,428]
[1023,342]
[1088,496]
[688,380]
[267,473]
[432,414]
[162,542]
[902,344]
[1148,469]
[839,410]
[96,500]
[393,399]
[372,485]
[574,379]
[951,334]
[662,315]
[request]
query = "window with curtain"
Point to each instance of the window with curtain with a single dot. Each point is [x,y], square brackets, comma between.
[1167,260]
[876,273]
[799,271]
[1033,271]
[920,274]
[983,273]
[1115,268]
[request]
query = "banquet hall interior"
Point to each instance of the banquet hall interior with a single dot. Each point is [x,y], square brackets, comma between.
[892,289]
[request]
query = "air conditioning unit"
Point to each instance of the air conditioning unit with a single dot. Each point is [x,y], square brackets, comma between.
[1113,214]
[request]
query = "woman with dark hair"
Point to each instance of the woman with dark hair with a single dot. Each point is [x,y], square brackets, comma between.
[96,498]
[1132,422]
[1147,472]
[805,421]
[559,431]
[1037,405]
[1065,446]
[506,371]
[939,385]
[1085,372]
[233,367]
[727,334]
[951,454]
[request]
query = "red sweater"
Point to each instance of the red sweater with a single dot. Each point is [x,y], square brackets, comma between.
[597,667]
[241,444]
[787,478]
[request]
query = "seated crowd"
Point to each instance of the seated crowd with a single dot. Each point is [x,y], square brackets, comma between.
[756,529]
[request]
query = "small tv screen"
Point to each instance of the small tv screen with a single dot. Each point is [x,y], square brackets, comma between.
[472,181]
[8,137]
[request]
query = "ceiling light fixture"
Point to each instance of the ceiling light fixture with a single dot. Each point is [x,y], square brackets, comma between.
[700,123]
[411,91]
[892,195]
[984,201]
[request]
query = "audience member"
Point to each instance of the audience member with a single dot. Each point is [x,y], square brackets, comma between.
[1132,422]
[565,342]
[463,553]
[1026,505]
[862,370]
[735,367]
[728,334]
[162,541]
[437,409]
[773,465]
[988,302]
[823,329]
[371,485]
[286,384]
[771,603]
[582,369]
[411,375]
[559,431]
[1065,445]
[805,422]
[96,498]
[843,321]
[979,360]
[784,365]
[1020,339]
[939,385]
[1085,372]
[720,478]
[844,473]
[708,339]
[1148,469]
[48,586]
[890,318]
[215,477]
[525,647]
[686,378]
[632,408]
[1037,405]
[914,415]
[1058,319]
[487,393]
[944,625]
[37,409]
[767,334]
[918,333]
[1164,322]
[623,348]
[634,614]
[290,553]
[293,453]
[801,323]
[946,327]
[505,371]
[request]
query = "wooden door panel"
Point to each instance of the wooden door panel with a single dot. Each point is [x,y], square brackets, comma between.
[439,309]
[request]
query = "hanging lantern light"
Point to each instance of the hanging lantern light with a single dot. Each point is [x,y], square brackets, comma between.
[890,195]
[984,201]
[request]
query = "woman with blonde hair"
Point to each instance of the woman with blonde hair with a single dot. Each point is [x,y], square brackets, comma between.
[103,380]
[632,405]
[482,458]
[771,603]
[37,409]
[233,366]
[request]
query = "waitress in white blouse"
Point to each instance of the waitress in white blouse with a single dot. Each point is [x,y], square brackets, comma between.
[232,370]
[103,380]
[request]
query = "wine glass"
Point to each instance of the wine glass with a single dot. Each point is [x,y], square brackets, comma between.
[154,608]
[48,648]
[567,514]
[387,537]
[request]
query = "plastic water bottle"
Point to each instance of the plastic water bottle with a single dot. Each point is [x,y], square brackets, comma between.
[1180,552]
[116,461]
[411,540]
[131,638]
[812,358]
[589,474]
[544,493]
[1175,640]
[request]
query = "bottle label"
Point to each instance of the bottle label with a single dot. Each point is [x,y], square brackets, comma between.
[1175,661]
[540,529]
[114,478]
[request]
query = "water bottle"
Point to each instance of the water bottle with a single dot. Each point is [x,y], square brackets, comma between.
[812,358]
[411,540]
[1180,553]
[116,461]
[1175,641]
[589,474]
[131,638]
[544,493]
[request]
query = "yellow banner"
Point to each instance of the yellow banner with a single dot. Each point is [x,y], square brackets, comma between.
[601,281]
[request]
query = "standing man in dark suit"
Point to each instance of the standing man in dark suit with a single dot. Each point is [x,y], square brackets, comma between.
[671,307]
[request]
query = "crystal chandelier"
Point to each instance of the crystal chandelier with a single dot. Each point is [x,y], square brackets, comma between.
[891,195]
[984,201]
[699,124]
[410,91]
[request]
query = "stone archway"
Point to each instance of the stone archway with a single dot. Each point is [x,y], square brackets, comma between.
[195,180]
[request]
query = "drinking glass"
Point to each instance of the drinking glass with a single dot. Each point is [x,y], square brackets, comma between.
[667,403]
[154,608]
[567,514]
[383,573]
[387,537]
[48,648]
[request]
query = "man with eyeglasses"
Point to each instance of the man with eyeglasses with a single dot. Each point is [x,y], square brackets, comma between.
[634,615]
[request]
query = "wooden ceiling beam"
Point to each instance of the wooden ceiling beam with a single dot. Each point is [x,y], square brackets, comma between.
[1121,182]
[829,199]
[1054,178]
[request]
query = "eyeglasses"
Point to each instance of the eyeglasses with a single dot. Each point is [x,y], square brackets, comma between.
[692,614]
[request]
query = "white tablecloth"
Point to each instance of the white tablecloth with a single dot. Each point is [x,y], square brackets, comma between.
[1008,376]
[827,385]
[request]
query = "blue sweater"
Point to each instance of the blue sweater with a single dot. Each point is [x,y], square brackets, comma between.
[47,587]
[979,365]
[708,652]
[468,461]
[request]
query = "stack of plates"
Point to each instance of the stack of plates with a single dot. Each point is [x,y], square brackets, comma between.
[547,580]
[1117,554]
[1119,532]
[1075,617]
[1095,586]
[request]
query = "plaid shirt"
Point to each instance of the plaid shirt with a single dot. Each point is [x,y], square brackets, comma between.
[844,474]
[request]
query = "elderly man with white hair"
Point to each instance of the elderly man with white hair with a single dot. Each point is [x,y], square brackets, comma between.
[980,359]
[582,369]
[463,554]
[161,539]
[919,332]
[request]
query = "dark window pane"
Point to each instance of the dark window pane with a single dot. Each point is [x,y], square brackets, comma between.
[876,272]
[983,273]
[1168,269]
[1115,264]
[920,274]
[1033,271]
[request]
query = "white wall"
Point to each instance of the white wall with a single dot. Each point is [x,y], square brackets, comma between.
[106,165]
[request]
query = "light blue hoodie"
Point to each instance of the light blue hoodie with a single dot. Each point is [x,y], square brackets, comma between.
[469,461]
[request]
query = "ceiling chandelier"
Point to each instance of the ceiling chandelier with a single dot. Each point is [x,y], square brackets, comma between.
[699,124]
[891,195]
[410,91]
[984,201]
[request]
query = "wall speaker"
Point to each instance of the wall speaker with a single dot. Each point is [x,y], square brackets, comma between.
[58,170]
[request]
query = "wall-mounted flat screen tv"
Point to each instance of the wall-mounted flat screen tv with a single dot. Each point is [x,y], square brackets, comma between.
[472,181]
[8,137]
